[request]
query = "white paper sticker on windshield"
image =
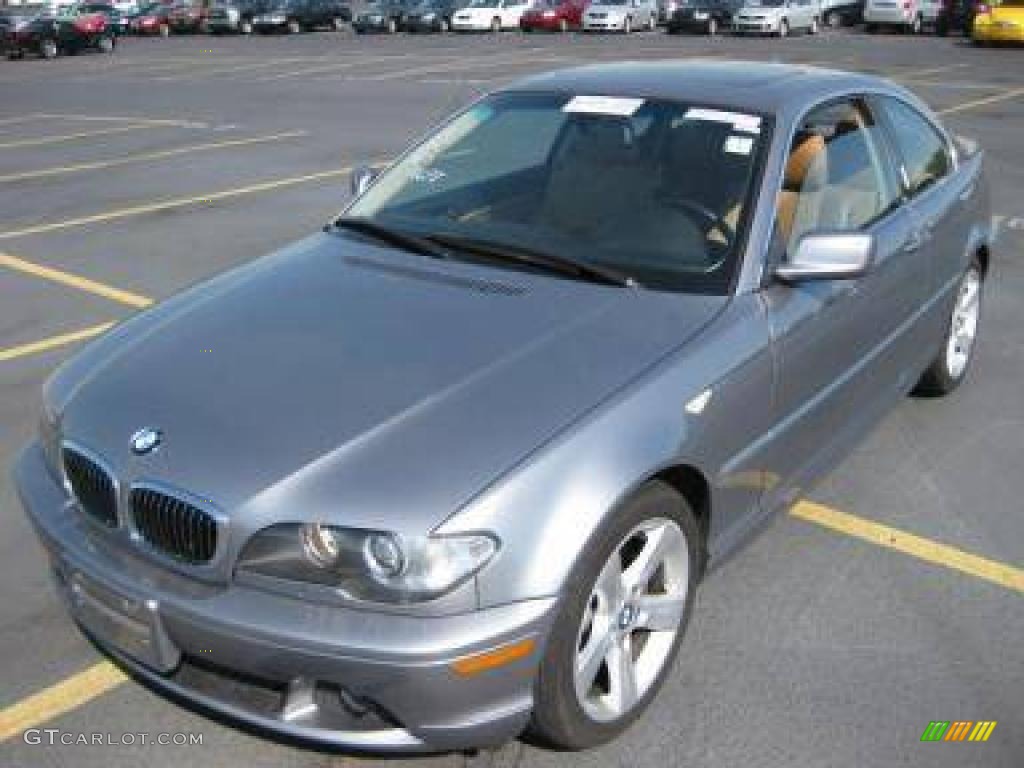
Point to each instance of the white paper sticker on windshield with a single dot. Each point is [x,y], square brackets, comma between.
[739,145]
[739,121]
[603,105]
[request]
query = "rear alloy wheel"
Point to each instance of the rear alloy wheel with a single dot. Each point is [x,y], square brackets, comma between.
[834,19]
[627,26]
[293,27]
[48,49]
[783,28]
[950,367]
[651,24]
[338,24]
[563,26]
[392,26]
[712,26]
[165,30]
[622,619]
[813,29]
[915,26]
[442,26]
[245,27]
[105,44]
[495,25]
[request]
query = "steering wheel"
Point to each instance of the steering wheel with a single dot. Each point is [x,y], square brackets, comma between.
[704,217]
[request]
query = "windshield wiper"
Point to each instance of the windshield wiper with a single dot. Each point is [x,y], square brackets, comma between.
[392,236]
[531,257]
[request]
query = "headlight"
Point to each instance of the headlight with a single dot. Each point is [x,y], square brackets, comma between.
[375,566]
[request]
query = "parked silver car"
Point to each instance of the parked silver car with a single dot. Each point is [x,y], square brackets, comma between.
[778,17]
[456,465]
[620,16]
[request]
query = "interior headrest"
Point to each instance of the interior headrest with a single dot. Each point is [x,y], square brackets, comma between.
[808,148]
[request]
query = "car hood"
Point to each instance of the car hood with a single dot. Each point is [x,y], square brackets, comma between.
[344,381]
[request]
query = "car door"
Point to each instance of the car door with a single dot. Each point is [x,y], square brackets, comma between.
[940,199]
[844,349]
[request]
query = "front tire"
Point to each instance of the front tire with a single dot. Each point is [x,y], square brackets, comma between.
[623,615]
[949,368]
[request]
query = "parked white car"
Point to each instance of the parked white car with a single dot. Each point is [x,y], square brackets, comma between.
[620,15]
[778,17]
[489,15]
[906,15]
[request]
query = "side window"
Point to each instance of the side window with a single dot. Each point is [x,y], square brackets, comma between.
[922,149]
[836,177]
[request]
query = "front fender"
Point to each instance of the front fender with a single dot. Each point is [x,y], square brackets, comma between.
[545,510]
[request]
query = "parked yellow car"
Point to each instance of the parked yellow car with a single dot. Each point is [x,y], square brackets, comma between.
[1000,21]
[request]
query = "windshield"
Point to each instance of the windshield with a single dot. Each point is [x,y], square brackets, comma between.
[655,190]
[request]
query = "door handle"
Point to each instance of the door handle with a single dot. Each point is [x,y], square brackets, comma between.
[915,242]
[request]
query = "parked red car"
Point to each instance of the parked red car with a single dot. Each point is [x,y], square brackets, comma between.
[553,15]
[152,20]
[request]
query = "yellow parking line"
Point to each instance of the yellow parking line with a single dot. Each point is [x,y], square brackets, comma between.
[59,698]
[145,156]
[1004,96]
[74,281]
[45,345]
[43,140]
[167,205]
[916,546]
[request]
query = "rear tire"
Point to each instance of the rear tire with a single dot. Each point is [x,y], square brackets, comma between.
[712,27]
[915,26]
[813,29]
[834,19]
[245,27]
[605,614]
[783,29]
[953,362]
[48,49]
[563,26]
[495,25]
[627,26]
[105,44]
[164,30]
[293,27]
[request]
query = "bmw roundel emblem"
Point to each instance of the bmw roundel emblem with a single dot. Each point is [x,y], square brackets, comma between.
[146,440]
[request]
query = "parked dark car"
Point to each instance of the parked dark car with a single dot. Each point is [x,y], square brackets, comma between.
[50,36]
[955,16]
[294,16]
[152,20]
[187,17]
[234,16]
[705,16]
[384,16]
[553,16]
[432,15]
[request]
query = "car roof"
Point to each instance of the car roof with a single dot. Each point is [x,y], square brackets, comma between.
[762,87]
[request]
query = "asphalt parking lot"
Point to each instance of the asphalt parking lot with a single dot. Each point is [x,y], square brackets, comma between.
[833,639]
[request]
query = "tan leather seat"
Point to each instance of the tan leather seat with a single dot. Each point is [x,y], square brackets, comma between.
[803,180]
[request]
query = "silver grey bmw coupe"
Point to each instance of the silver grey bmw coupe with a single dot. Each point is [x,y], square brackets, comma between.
[455,466]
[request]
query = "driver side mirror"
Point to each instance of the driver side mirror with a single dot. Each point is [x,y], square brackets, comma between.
[362,177]
[829,256]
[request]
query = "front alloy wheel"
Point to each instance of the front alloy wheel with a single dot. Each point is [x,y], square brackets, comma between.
[623,616]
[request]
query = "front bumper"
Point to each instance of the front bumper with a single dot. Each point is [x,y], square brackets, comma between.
[301,669]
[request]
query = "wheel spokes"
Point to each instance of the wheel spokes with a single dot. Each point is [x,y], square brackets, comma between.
[643,568]
[660,613]
[622,687]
